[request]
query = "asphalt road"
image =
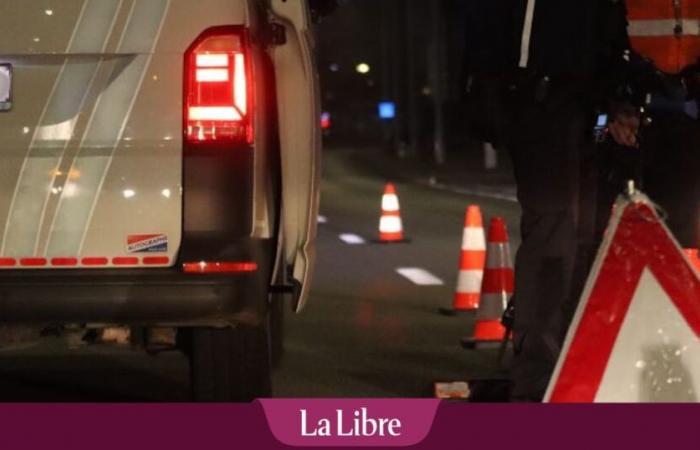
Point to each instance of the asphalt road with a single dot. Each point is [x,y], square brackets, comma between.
[367,331]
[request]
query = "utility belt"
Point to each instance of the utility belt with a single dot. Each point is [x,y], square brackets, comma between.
[494,100]
[679,94]
[529,87]
[660,104]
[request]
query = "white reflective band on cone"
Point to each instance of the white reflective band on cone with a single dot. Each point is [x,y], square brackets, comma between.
[390,224]
[492,306]
[473,239]
[469,281]
[498,257]
[660,28]
[390,202]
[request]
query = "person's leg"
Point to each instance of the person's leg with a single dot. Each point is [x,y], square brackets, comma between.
[673,175]
[684,179]
[616,166]
[587,242]
[546,148]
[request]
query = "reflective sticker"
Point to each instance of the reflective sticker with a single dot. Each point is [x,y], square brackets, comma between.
[147,243]
[664,27]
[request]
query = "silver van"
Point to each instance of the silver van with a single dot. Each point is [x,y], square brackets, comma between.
[159,168]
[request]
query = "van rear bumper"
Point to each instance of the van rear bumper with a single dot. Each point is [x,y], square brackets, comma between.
[135,297]
[146,296]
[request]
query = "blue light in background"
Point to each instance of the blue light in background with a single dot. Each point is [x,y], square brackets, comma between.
[387,110]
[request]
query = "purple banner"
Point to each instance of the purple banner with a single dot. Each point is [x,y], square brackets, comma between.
[350,423]
[456,426]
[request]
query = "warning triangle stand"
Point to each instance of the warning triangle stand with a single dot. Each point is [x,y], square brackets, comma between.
[635,335]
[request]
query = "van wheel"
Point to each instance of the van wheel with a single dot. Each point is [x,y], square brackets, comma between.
[230,364]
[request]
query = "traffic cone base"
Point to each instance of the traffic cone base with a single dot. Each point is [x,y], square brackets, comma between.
[463,304]
[490,335]
[389,242]
[490,330]
[467,302]
[391,237]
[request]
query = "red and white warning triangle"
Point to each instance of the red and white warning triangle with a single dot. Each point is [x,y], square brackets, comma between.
[636,334]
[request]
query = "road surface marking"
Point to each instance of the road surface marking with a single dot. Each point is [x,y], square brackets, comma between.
[420,277]
[352,239]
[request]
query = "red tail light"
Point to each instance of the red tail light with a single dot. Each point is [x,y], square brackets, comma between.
[218,94]
[219,267]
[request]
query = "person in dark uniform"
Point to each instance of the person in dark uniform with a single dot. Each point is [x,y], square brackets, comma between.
[560,54]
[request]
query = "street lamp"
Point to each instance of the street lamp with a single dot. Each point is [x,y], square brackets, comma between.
[363,68]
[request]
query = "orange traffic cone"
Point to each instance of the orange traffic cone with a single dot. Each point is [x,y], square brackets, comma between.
[471,266]
[390,224]
[496,289]
[694,257]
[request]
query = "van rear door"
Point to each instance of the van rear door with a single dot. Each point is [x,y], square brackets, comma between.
[91,158]
[91,150]
[300,137]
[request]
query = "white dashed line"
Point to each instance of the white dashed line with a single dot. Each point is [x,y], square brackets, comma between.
[352,239]
[322,219]
[420,277]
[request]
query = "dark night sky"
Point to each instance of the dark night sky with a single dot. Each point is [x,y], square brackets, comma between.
[389,35]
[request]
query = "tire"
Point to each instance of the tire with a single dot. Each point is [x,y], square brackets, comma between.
[230,364]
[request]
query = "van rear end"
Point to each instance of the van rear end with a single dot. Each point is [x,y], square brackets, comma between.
[141,174]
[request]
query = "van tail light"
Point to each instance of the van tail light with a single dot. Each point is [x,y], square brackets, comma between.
[210,267]
[218,95]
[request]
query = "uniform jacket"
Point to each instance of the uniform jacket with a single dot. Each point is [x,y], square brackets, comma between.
[569,36]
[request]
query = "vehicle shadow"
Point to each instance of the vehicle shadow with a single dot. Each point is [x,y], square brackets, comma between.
[94,375]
